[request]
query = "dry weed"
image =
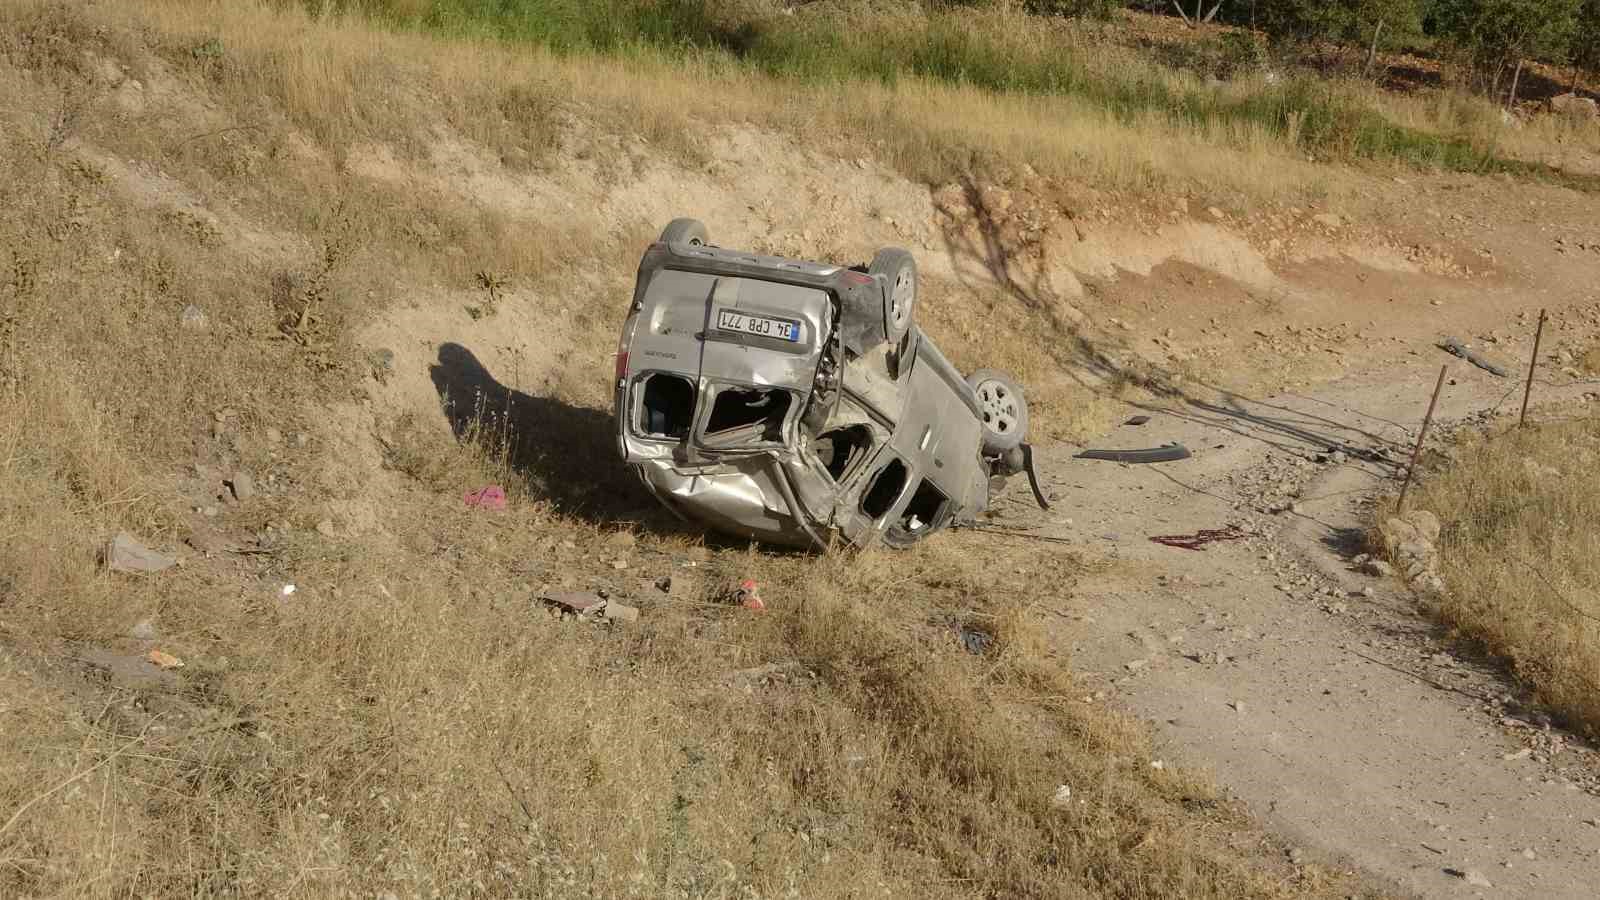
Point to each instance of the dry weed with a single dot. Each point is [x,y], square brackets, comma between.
[1521,556]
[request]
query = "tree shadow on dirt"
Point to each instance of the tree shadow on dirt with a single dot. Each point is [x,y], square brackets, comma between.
[567,453]
[1018,262]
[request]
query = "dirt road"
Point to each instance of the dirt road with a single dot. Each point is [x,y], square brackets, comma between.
[1322,697]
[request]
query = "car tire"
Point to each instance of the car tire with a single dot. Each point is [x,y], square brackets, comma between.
[899,270]
[1003,410]
[685,231]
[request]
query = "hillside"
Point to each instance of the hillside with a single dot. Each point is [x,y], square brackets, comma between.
[279,290]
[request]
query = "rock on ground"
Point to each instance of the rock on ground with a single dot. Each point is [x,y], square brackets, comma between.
[125,554]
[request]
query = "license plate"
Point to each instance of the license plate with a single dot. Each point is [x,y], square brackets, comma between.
[760,326]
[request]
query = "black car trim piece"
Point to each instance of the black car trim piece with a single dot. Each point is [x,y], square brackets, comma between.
[1165,453]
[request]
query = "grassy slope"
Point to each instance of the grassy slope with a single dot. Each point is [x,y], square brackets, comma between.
[995,51]
[1521,556]
[410,720]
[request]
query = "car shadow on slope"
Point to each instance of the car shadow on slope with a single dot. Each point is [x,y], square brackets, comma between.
[567,453]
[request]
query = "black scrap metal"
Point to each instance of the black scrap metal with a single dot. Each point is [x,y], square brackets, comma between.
[1457,348]
[1199,539]
[1164,453]
[1033,476]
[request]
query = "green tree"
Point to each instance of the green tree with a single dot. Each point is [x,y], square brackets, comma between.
[1373,24]
[1586,38]
[1497,36]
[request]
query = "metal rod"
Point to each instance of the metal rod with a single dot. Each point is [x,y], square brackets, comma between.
[1421,436]
[1533,365]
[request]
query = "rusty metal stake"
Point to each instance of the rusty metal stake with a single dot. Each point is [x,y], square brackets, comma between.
[1421,436]
[1533,365]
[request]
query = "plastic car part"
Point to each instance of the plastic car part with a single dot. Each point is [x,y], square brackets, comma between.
[1164,453]
[1033,476]
[1004,410]
[685,231]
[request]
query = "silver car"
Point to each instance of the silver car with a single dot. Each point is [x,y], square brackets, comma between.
[798,403]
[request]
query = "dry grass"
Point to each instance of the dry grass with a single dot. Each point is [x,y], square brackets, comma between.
[343,80]
[410,720]
[1521,556]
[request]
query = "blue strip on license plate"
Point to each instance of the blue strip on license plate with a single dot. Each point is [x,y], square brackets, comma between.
[760,326]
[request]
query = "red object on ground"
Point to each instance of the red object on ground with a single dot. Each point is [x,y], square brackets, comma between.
[491,497]
[1198,540]
[747,596]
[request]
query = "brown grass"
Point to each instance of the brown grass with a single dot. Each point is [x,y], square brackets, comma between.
[1521,556]
[411,720]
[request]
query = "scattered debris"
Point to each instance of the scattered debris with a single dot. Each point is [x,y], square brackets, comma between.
[1457,348]
[129,671]
[976,642]
[124,554]
[1199,539]
[590,606]
[768,674]
[164,660]
[619,612]
[578,603]
[1473,878]
[1367,564]
[382,362]
[746,595]
[193,318]
[1062,798]
[491,497]
[1164,453]
[681,586]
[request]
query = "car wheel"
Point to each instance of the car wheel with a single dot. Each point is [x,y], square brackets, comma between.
[899,270]
[685,231]
[1003,408]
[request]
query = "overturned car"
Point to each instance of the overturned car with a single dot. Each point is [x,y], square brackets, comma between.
[798,403]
